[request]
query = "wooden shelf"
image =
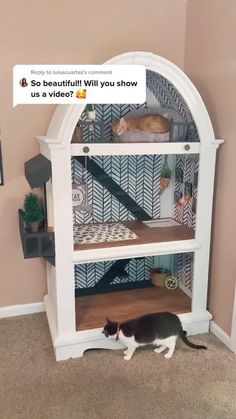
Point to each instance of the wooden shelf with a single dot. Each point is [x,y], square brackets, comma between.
[91,311]
[151,241]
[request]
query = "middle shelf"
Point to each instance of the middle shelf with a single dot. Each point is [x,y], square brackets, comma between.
[149,241]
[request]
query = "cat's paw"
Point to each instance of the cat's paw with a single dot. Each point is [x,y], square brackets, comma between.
[168,356]
[127,357]
[160,349]
[125,352]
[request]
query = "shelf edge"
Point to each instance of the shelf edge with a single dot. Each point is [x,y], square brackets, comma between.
[141,250]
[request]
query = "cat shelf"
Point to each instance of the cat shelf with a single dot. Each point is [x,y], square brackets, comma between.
[125,305]
[94,278]
[120,181]
[111,234]
[93,132]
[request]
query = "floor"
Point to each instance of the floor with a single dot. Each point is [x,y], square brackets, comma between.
[91,311]
[102,385]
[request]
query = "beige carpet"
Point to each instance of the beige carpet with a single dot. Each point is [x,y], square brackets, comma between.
[193,384]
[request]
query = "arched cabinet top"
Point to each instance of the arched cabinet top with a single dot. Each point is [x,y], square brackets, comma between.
[65,117]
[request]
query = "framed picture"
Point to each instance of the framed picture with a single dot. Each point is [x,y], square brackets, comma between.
[1,167]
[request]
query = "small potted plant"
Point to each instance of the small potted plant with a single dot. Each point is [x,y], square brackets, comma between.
[91,112]
[165,177]
[33,213]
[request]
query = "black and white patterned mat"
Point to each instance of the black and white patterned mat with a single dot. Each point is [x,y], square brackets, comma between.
[102,232]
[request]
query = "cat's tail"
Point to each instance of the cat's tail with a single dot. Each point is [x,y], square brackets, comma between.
[183,336]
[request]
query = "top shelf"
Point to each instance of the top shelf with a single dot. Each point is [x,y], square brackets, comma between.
[122,149]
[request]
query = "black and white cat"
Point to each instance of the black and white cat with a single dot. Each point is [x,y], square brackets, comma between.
[159,329]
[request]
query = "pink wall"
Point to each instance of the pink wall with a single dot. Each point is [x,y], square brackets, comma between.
[210,61]
[72,31]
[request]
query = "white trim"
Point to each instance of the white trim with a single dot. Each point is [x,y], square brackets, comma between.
[56,146]
[138,250]
[65,117]
[51,319]
[123,149]
[21,310]
[75,344]
[220,334]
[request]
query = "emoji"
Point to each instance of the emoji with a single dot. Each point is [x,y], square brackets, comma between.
[81,94]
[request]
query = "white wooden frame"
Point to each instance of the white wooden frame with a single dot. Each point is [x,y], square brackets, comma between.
[60,301]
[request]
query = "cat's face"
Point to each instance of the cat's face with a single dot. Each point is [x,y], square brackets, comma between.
[119,127]
[110,328]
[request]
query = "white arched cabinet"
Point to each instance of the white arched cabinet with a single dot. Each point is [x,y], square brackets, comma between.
[185,253]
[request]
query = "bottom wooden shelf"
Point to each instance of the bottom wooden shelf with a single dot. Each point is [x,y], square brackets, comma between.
[91,311]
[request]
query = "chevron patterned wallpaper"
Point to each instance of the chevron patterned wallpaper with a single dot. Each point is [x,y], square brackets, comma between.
[169,97]
[184,269]
[89,274]
[139,176]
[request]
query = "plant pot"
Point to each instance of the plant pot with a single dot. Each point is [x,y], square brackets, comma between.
[158,277]
[34,226]
[164,183]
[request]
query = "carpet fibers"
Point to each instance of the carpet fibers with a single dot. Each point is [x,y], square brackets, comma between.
[101,385]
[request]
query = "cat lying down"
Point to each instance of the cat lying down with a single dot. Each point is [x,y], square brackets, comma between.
[159,329]
[153,123]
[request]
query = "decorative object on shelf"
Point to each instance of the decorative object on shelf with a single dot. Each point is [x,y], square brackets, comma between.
[179,175]
[33,213]
[78,196]
[80,192]
[188,190]
[171,282]
[177,196]
[158,276]
[91,112]
[165,175]
[1,167]
[40,244]
[187,198]
[102,232]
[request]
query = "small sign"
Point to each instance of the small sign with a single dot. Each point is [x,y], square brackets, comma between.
[79,192]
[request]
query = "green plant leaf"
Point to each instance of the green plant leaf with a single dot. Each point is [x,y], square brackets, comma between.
[165,172]
[33,210]
[90,108]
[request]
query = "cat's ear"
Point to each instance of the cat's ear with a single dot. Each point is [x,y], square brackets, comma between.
[108,321]
[122,121]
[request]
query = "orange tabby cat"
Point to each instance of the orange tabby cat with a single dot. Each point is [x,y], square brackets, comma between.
[157,124]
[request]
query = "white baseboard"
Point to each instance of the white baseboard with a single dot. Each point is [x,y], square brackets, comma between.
[21,310]
[220,334]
